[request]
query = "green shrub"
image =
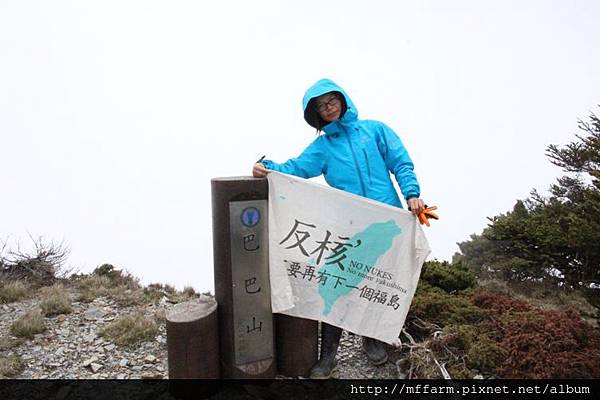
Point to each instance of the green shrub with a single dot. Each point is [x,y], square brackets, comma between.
[485,355]
[435,305]
[592,296]
[450,277]
[456,337]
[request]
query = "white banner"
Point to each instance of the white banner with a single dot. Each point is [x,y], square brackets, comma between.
[341,258]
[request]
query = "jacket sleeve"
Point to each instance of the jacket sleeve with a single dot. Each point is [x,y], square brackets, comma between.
[307,165]
[398,162]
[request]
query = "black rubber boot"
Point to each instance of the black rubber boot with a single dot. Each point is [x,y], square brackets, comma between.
[375,350]
[330,340]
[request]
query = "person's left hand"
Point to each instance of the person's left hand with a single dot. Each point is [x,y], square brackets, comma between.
[416,205]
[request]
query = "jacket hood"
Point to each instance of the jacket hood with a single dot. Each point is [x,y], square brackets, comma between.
[349,115]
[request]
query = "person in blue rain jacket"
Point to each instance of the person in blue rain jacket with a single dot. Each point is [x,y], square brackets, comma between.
[357,156]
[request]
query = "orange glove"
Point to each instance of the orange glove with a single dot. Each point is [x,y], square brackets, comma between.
[426,214]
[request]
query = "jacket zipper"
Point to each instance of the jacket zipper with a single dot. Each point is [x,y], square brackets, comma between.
[368,166]
[362,184]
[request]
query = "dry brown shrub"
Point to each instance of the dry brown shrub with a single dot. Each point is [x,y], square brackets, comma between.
[515,340]
[40,266]
[499,303]
[553,345]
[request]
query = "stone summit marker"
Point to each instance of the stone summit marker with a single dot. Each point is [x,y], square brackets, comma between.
[242,289]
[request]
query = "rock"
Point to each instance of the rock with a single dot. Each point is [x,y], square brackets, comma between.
[93,314]
[123,362]
[89,361]
[89,338]
[122,376]
[137,368]
[109,347]
[61,318]
[95,367]
[150,358]
[151,375]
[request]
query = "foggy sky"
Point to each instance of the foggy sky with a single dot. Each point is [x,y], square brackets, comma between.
[115,115]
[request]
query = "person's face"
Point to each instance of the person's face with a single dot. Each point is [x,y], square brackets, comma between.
[329,107]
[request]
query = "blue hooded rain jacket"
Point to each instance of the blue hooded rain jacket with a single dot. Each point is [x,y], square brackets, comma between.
[354,155]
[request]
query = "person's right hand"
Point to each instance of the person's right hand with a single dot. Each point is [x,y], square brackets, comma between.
[259,170]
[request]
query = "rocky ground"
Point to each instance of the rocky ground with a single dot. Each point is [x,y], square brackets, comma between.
[71,347]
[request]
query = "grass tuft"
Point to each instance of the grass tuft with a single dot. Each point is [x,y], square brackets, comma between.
[13,291]
[9,343]
[10,366]
[55,301]
[28,324]
[130,329]
[115,284]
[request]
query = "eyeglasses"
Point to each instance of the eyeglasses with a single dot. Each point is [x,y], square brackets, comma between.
[333,101]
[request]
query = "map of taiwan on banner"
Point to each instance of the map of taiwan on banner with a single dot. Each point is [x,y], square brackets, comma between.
[341,258]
